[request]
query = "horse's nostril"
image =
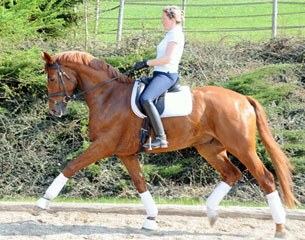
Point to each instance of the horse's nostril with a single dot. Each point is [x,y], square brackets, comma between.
[52,111]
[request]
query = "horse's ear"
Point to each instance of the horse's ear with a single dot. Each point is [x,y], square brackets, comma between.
[47,58]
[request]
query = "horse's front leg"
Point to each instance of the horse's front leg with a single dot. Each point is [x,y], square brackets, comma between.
[133,167]
[92,154]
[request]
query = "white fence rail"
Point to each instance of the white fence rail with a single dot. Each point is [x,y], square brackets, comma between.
[273,16]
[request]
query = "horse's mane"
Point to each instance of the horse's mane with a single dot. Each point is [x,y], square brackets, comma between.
[90,61]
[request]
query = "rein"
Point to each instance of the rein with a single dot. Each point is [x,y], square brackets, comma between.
[74,96]
[65,94]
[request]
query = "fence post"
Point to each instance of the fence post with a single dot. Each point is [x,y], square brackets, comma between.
[183,8]
[120,24]
[274,19]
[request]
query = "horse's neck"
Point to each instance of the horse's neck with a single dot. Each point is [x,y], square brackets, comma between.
[105,90]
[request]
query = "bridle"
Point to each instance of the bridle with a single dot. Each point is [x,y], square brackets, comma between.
[64,94]
[61,75]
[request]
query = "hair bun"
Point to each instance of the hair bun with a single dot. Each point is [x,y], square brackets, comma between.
[174,12]
[182,13]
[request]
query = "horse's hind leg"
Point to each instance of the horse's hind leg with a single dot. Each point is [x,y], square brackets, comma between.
[266,181]
[215,153]
[133,167]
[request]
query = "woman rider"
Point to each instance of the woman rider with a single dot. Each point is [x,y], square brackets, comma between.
[165,74]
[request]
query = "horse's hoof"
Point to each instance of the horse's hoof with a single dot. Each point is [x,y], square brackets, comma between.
[36,211]
[43,203]
[150,225]
[212,216]
[282,235]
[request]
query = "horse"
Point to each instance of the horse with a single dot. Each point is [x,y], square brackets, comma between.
[221,121]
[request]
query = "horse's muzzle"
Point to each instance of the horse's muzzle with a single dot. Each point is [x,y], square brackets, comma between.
[58,109]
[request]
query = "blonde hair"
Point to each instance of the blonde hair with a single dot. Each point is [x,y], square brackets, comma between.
[174,12]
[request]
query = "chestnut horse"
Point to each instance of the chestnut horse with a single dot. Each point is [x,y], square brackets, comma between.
[221,121]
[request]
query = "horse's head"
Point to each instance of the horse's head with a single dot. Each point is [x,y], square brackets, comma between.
[62,82]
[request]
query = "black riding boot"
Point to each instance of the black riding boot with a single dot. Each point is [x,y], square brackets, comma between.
[154,117]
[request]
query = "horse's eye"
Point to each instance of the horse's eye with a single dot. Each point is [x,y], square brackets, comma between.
[52,79]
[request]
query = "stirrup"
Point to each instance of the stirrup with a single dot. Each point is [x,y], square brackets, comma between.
[158,142]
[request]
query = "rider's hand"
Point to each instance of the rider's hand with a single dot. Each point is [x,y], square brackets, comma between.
[140,65]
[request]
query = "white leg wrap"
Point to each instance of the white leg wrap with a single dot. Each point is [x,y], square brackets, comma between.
[277,210]
[43,203]
[150,224]
[217,195]
[149,204]
[54,189]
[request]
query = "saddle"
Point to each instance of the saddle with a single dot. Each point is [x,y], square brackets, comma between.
[176,101]
[159,102]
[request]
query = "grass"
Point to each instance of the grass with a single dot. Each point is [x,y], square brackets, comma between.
[258,84]
[199,19]
[159,201]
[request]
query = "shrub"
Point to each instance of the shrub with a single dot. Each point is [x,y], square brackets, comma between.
[35,146]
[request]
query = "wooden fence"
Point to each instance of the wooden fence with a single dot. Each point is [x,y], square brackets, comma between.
[273,16]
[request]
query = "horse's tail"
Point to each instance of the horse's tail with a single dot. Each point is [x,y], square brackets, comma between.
[279,159]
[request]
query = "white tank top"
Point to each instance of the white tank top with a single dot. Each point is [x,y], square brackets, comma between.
[175,35]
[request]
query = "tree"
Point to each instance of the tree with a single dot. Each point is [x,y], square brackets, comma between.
[97,15]
[86,15]
[21,19]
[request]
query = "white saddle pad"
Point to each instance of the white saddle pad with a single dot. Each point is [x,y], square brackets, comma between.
[176,103]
